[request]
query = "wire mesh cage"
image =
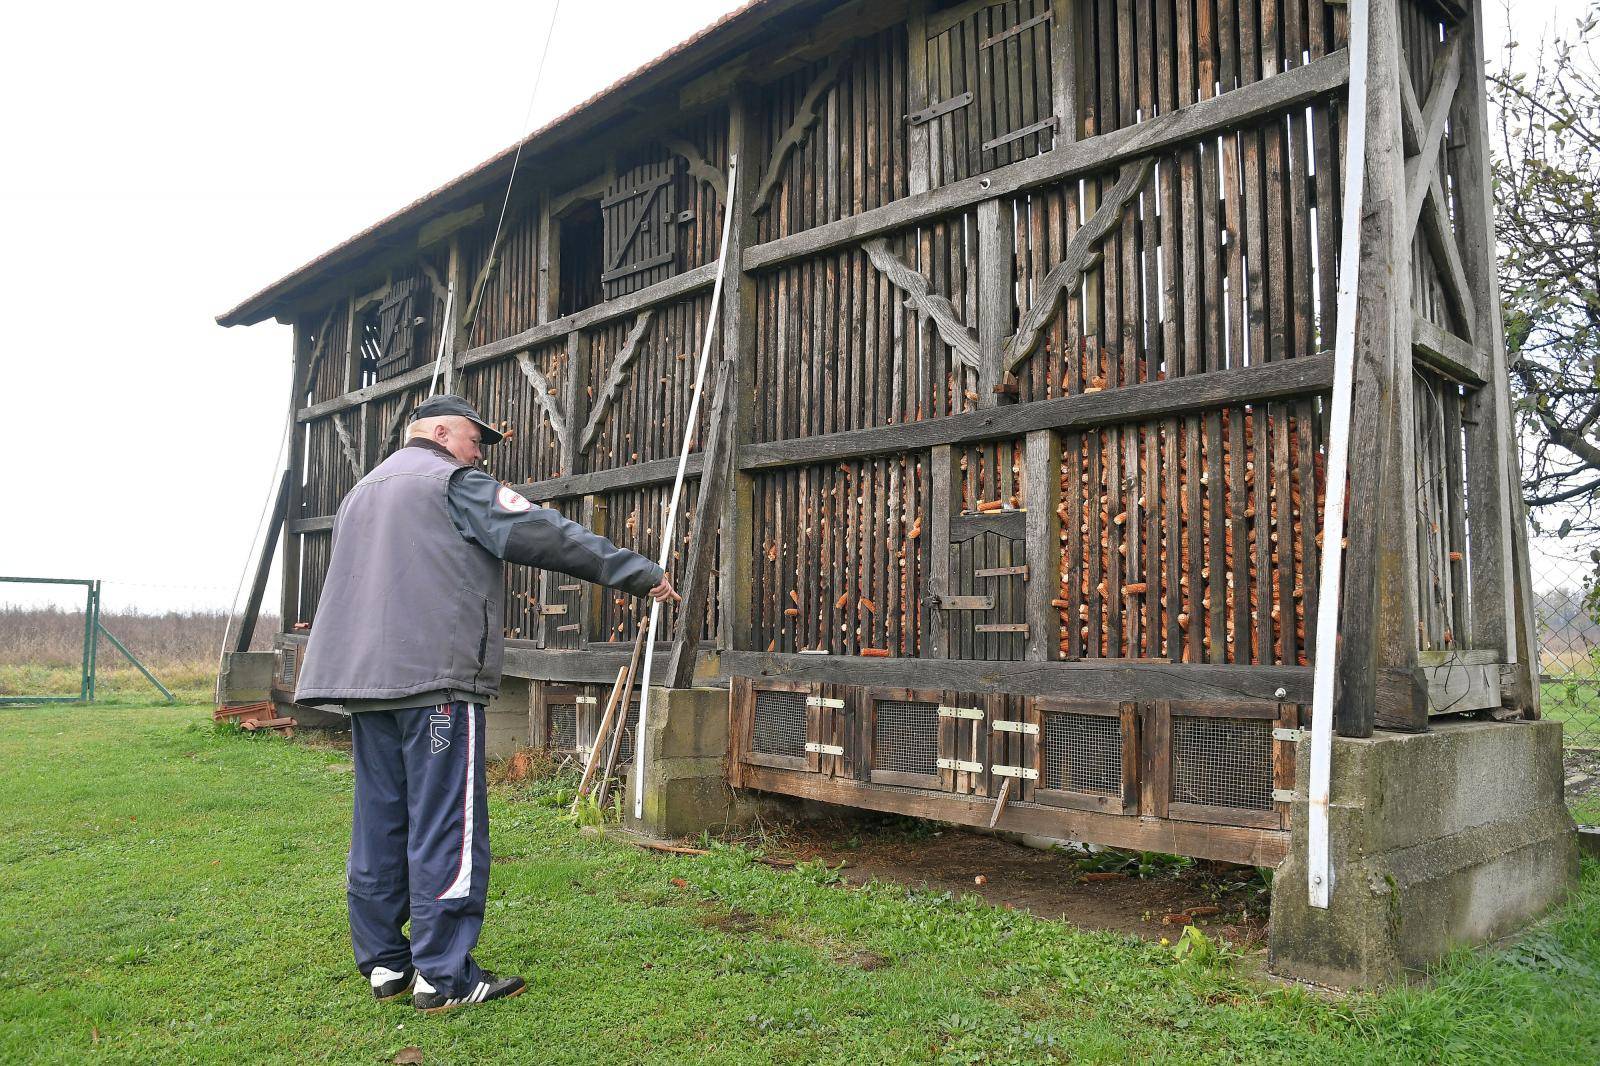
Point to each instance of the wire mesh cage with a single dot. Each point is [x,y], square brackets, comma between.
[778,725]
[563,725]
[905,737]
[1082,753]
[287,666]
[1222,762]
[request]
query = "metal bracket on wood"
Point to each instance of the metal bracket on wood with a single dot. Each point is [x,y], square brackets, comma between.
[943,107]
[1003,571]
[1282,795]
[1291,735]
[963,765]
[1026,728]
[824,749]
[1027,773]
[825,702]
[587,700]
[1002,627]
[964,603]
[1050,124]
[553,608]
[961,712]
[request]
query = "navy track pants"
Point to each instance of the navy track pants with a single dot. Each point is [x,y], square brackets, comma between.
[419,841]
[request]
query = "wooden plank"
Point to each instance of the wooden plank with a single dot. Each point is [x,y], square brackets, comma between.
[996,293]
[1380,586]
[1064,76]
[1293,377]
[1078,159]
[1458,687]
[320,524]
[739,345]
[1257,847]
[1042,481]
[696,577]
[946,480]
[1089,679]
[1451,356]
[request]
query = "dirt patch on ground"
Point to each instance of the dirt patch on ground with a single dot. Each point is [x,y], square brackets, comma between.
[1221,897]
[1583,777]
[733,921]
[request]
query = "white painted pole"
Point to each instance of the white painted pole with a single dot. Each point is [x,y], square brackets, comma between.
[1319,867]
[640,738]
[444,335]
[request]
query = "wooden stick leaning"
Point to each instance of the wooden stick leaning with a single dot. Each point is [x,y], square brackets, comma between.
[600,736]
[604,788]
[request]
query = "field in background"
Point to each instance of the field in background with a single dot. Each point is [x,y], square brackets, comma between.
[40,649]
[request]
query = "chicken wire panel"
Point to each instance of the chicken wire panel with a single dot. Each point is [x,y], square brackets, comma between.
[905,737]
[563,726]
[1222,762]
[778,726]
[1083,753]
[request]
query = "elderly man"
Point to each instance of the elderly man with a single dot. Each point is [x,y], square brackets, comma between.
[408,639]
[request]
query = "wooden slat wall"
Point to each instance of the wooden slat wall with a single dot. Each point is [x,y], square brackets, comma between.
[855,156]
[502,393]
[843,557]
[646,421]
[633,517]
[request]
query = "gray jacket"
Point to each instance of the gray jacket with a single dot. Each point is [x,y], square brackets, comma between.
[413,604]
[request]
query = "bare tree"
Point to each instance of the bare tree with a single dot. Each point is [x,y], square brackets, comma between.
[1547,199]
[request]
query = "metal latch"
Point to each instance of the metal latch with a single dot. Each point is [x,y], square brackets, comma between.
[1029,728]
[1027,773]
[1291,735]
[825,702]
[589,701]
[965,603]
[824,749]
[943,107]
[1001,627]
[961,764]
[1003,571]
[960,712]
[1282,795]
[553,608]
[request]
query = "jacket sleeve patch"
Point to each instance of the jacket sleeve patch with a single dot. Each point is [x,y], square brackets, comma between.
[512,501]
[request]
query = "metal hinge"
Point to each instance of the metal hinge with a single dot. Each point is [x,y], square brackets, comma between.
[960,712]
[824,749]
[825,702]
[1002,627]
[1029,728]
[1003,571]
[1291,735]
[965,603]
[943,107]
[553,608]
[569,588]
[1027,773]
[962,765]
[1282,795]
[588,701]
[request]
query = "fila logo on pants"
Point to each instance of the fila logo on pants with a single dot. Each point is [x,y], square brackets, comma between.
[438,731]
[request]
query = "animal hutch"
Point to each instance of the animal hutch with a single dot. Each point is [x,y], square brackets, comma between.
[1011,476]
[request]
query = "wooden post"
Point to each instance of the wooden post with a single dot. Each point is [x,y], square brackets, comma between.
[1378,625]
[352,347]
[1064,70]
[918,161]
[1041,474]
[258,587]
[945,480]
[1502,608]
[996,292]
[547,300]
[457,280]
[289,595]
[739,349]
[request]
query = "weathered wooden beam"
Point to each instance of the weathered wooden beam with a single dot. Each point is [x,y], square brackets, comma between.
[1267,381]
[637,475]
[544,395]
[269,547]
[616,379]
[739,321]
[431,233]
[1070,160]
[674,288]
[1448,354]
[1042,488]
[319,524]
[1224,843]
[1378,629]
[927,304]
[1086,679]
[696,576]
[806,115]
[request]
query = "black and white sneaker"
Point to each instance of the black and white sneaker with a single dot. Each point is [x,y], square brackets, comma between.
[430,1000]
[390,984]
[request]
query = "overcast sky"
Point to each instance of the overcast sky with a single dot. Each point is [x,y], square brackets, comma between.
[168,160]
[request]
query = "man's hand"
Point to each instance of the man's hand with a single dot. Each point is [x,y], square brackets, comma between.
[664,591]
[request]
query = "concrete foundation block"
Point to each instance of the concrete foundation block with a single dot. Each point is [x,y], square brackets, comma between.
[506,718]
[246,677]
[1458,836]
[686,775]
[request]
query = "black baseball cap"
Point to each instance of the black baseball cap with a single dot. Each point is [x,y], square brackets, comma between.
[446,404]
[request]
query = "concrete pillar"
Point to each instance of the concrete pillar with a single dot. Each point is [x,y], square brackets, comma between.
[686,781]
[506,718]
[1458,836]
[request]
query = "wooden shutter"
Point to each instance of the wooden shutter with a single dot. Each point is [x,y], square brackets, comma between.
[641,228]
[402,327]
[989,86]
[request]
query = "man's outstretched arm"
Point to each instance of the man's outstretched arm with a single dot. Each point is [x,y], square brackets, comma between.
[512,528]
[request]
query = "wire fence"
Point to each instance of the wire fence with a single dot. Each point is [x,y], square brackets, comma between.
[1568,612]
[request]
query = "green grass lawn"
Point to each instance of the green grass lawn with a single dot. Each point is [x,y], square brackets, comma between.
[172,893]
